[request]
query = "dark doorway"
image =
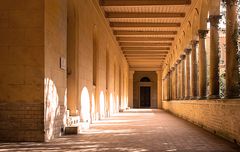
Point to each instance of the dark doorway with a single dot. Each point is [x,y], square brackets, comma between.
[145,95]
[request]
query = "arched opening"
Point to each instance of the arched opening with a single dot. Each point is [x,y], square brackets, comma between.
[85,105]
[145,79]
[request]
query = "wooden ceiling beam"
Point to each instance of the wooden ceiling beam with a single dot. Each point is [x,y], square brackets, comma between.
[144,15]
[145,48]
[143,2]
[135,44]
[137,24]
[124,39]
[144,32]
[145,52]
[145,55]
[149,58]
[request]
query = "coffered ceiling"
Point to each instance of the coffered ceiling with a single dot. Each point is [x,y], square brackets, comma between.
[145,29]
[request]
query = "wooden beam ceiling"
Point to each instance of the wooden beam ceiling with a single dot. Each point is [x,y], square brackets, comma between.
[137,24]
[118,33]
[124,39]
[144,15]
[145,29]
[143,2]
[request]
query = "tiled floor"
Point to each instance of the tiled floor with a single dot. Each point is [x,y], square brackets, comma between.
[135,131]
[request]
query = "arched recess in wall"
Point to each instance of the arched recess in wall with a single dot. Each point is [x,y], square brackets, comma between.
[72,58]
[85,105]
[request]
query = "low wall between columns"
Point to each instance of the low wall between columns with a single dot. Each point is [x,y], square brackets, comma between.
[220,117]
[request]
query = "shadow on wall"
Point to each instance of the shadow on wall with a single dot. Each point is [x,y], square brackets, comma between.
[53,110]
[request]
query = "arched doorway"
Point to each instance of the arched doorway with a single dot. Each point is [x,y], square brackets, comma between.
[145,89]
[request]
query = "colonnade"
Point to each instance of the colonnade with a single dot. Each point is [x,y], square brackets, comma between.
[187,78]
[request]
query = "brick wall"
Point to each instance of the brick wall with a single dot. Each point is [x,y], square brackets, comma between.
[21,121]
[221,117]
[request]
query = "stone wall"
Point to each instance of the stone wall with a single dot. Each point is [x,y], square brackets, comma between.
[21,70]
[220,117]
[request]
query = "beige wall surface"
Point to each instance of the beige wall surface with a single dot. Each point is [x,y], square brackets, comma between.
[21,70]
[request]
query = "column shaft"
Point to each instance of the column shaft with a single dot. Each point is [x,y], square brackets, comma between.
[183,77]
[202,65]
[176,82]
[187,80]
[232,71]
[179,79]
[194,70]
[214,57]
[159,86]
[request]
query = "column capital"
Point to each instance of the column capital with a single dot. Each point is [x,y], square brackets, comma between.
[194,43]
[178,61]
[214,19]
[182,56]
[202,34]
[187,51]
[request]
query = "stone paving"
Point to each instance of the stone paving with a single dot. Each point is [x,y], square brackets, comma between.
[135,131]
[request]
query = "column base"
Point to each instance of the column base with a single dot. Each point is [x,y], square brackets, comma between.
[193,98]
[231,97]
[187,98]
[201,98]
[213,97]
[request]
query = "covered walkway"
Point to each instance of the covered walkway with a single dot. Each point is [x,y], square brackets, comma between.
[136,130]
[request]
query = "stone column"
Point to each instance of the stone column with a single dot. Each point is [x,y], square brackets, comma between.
[182,77]
[159,87]
[172,82]
[168,86]
[130,89]
[232,71]
[193,83]
[187,80]
[214,57]
[179,80]
[202,92]
[176,81]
